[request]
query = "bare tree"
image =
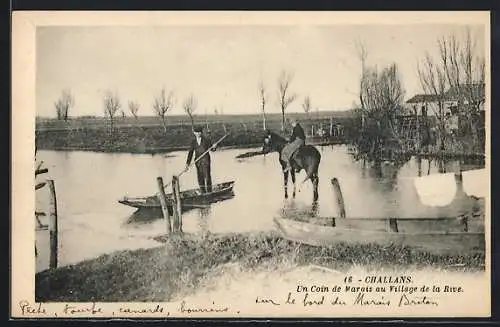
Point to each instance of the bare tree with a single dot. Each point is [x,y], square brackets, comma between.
[162,104]
[263,99]
[64,104]
[432,79]
[133,107]
[306,105]
[382,93]
[111,106]
[285,98]
[381,98]
[189,105]
[458,73]
[362,54]
[465,72]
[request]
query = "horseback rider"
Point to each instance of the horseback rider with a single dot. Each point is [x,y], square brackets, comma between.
[199,145]
[297,140]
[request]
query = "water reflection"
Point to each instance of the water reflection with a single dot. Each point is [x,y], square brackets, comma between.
[204,215]
[294,208]
[144,216]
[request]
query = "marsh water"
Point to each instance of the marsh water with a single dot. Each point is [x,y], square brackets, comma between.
[92,222]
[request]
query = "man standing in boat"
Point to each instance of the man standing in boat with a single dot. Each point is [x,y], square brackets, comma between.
[199,145]
[297,140]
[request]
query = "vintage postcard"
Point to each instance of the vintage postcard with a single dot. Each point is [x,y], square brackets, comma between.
[251,164]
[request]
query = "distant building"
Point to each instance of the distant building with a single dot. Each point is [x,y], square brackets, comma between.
[422,105]
[428,104]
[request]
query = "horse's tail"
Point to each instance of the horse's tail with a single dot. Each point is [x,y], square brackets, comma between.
[312,170]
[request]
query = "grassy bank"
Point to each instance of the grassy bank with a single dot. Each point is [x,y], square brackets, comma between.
[182,264]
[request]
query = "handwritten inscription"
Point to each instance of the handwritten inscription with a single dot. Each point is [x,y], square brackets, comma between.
[264,300]
[184,308]
[144,310]
[73,309]
[30,309]
[406,300]
[357,292]
[360,299]
[363,299]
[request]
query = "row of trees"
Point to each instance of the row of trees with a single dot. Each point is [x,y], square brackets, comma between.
[165,101]
[285,97]
[161,106]
[113,106]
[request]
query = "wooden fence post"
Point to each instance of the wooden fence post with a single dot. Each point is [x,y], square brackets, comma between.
[339,197]
[393,225]
[177,223]
[53,225]
[465,224]
[164,206]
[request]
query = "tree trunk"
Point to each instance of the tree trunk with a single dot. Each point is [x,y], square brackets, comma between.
[475,138]
[192,121]
[164,124]
[282,119]
[111,123]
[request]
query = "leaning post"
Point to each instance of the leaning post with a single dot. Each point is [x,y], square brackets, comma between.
[163,201]
[53,228]
[177,223]
[339,197]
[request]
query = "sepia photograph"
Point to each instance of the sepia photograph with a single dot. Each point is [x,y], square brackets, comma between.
[232,164]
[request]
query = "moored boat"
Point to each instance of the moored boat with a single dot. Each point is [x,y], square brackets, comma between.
[456,239]
[191,197]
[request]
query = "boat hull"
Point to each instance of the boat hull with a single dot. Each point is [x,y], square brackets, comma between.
[189,198]
[447,242]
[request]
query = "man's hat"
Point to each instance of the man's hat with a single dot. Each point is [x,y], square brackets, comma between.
[197,129]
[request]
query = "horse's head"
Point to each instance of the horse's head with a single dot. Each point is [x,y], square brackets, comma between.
[272,142]
[267,142]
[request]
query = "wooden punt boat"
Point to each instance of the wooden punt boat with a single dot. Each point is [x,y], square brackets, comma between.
[425,234]
[189,198]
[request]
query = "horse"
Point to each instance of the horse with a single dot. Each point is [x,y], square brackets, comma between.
[306,158]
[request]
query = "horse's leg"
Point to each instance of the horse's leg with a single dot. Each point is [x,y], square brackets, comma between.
[315,182]
[292,172]
[285,183]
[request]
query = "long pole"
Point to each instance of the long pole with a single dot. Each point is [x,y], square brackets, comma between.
[53,228]
[203,154]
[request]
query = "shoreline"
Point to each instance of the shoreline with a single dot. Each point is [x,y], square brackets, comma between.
[166,150]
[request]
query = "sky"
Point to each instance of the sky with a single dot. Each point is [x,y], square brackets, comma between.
[223,65]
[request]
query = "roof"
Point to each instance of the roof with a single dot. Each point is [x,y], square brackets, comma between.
[466,90]
[419,98]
